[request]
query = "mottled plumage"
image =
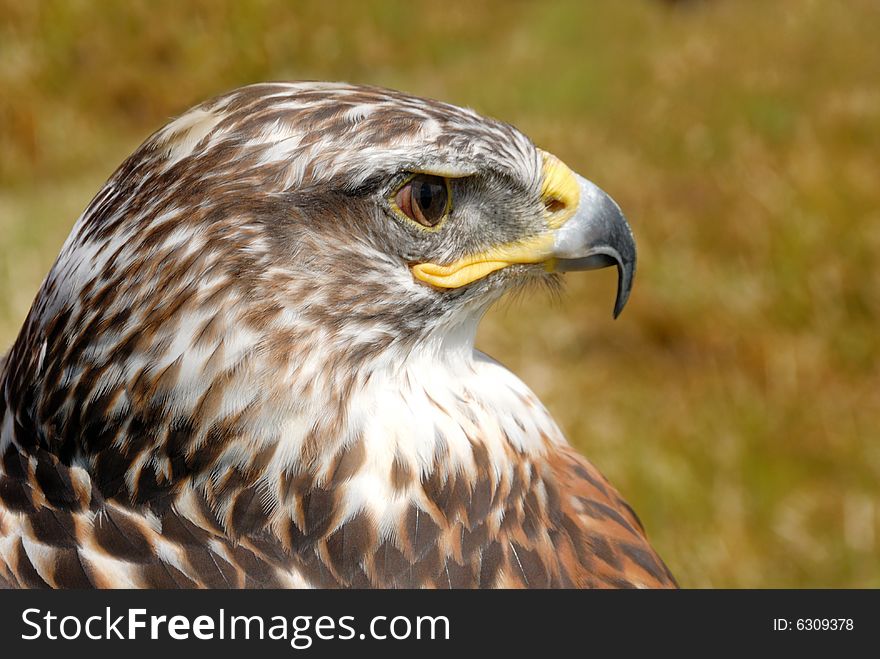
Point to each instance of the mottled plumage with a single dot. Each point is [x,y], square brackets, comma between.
[249,368]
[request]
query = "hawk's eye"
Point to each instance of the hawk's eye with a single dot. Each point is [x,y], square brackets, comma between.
[424,199]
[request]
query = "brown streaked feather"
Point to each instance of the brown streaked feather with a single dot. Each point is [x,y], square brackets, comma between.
[582,536]
[230,377]
[610,546]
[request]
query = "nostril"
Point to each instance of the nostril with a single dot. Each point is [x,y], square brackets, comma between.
[554,205]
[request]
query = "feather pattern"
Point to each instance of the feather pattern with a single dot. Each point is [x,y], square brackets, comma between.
[230,377]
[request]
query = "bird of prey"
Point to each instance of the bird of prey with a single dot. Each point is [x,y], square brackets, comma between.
[253,363]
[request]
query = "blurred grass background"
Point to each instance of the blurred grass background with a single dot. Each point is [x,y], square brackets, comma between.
[736,402]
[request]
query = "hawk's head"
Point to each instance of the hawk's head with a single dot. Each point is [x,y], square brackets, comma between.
[246,262]
[387,207]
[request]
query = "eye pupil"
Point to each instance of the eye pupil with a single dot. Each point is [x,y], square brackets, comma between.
[428,194]
[427,199]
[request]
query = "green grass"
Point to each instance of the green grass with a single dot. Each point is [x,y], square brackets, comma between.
[736,403]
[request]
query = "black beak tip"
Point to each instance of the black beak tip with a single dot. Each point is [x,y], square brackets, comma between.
[624,286]
[619,304]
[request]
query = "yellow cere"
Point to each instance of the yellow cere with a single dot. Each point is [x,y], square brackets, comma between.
[559,191]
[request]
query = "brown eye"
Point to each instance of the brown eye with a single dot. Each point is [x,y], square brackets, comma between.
[424,199]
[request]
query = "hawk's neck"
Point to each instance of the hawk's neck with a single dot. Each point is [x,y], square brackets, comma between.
[257,437]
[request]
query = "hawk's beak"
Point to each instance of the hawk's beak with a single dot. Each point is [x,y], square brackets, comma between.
[597,236]
[585,230]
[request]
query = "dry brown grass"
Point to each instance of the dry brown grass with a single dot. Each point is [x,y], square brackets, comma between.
[736,402]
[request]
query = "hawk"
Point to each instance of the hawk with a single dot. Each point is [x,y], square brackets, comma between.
[253,363]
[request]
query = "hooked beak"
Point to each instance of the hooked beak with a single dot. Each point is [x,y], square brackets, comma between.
[597,236]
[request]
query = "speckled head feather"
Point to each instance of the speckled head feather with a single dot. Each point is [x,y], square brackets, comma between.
[250,366]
